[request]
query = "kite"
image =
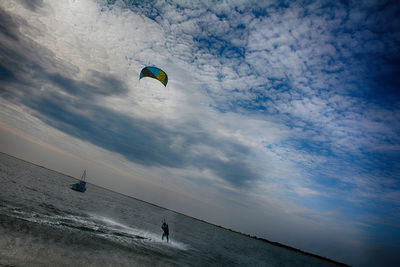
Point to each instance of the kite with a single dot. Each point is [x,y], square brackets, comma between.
[155,73]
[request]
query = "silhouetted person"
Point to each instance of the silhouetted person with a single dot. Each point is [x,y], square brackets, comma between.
[164,227]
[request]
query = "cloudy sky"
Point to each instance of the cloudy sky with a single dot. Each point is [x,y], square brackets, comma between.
[281,119]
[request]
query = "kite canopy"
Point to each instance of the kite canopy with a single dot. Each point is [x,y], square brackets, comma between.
[155,73]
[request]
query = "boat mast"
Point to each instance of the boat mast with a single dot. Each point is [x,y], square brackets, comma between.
[83,175]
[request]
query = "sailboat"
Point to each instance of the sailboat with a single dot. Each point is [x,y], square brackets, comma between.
[81,186]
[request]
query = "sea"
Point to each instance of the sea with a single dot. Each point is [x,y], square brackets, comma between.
[45,223]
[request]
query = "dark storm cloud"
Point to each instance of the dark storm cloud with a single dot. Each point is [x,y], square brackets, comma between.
[107,84]
[98,84]
[31,75]
[8,26]
[144,142]
[141,141]
[32,4]
[5,73]
[27,63]
[31,66]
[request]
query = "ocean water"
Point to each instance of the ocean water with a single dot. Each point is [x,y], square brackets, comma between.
[45,223]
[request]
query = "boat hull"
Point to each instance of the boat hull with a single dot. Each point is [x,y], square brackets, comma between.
[80,187]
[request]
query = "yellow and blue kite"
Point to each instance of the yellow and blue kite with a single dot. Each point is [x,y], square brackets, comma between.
[155,73]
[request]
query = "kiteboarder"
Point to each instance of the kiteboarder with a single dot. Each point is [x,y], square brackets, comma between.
[164,227]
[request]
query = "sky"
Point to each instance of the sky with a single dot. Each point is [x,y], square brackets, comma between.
[280,118]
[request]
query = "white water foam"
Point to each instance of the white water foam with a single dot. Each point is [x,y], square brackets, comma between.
[101,225]
[150,237]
